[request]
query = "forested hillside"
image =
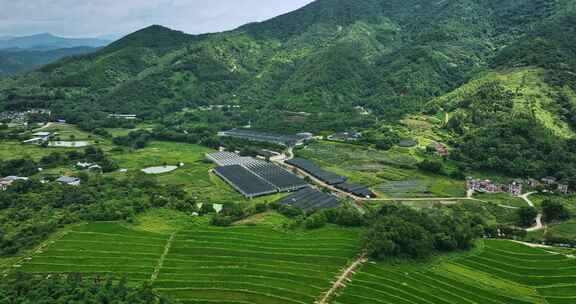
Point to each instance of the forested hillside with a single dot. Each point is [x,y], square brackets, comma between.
[392,57]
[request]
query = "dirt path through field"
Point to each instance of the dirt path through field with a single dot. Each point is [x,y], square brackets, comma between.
[158,267]
[345,276]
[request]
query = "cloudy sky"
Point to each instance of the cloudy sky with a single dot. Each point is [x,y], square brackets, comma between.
[91,18]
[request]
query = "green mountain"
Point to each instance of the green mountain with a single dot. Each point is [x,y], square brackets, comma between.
[393,57]
[15,61]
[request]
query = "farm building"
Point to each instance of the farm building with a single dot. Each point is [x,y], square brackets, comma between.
[357,190]
[34,141]
[254,177]
[279,139]
[310,200]
[224,158]
[39,138]
[319,173]
[123,116]
[86,165]
[345,136]
[244,181]
[281,179]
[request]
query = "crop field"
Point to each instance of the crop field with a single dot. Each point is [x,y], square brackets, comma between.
[499,272]
[101,249]
[406,188]
[247,264]
[389,173]
[199,263]
[503,199]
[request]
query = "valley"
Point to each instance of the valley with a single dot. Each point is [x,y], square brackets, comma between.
[348,152]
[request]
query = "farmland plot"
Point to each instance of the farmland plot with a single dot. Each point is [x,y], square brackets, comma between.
[500,273]
[101,249]
[254,264]
[204,264]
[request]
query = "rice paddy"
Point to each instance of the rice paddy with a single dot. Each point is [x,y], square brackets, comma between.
[499,272]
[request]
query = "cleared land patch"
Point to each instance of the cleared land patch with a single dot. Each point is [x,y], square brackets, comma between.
[501,272]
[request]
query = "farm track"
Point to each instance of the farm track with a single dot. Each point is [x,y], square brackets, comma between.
[344,276]
[158,267]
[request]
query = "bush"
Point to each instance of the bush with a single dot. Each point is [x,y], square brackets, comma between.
[315,221]
[222,221]
[206,209]
[290,211]
[527,216]
[431,166]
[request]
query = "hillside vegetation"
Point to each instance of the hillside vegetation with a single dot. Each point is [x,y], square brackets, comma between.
[311,67]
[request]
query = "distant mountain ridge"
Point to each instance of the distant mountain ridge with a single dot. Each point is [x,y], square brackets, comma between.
[46,41]
[17,61]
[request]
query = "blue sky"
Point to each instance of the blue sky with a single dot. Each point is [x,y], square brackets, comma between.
[91,18]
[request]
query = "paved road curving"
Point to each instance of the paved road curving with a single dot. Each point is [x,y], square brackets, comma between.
[539,225]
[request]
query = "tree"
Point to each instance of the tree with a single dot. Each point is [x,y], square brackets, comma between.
[392,236]
[290,211]
[206,209]
[315,221]
[554,210]
[431,166]
[527,216]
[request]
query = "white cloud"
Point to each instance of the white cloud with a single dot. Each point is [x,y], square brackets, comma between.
[99,17]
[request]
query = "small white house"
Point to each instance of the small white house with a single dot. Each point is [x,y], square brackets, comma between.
[9,180]
[68,180]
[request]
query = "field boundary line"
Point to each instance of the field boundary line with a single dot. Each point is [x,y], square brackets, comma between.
[158,267]
[344,276]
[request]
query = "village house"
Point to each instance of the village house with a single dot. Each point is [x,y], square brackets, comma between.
[487,186]
[123,116]
[68,180]
[345,136]
[9,180]
[89,166]
[39,138]
[563,188]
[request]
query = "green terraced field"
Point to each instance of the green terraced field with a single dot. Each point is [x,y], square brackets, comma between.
[501,272]
[254,264]
[105,249]
[203,264]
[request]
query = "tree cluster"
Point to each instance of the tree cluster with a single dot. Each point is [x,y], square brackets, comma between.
[398,231]
[74,289]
